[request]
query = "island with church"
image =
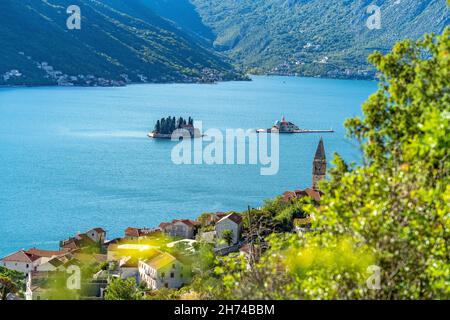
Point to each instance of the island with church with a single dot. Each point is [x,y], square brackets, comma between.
[284,126]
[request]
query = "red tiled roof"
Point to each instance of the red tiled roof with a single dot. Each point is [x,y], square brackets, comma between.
[189,223]
[21,256]
[162,225]
[77,242]
[313,194]
[99,230]
[132,232]
[289,195]
[70,245]
[236,218]
[45,253]
[220,215]
[138,232]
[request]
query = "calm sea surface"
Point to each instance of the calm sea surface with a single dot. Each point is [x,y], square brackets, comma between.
[76,158]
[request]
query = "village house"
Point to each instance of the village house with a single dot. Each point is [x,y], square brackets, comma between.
[97,235]
[232,222]
[128,268]
[185,228]
[164,271]
[140,233]
[26,261]
[92,238]
[77,243]
[20,261]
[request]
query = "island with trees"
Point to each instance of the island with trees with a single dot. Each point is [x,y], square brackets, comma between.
[165,128]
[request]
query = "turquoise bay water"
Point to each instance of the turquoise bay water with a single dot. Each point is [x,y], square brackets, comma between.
[76,158]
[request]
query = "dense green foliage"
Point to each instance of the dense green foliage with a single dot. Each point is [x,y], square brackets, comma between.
[11,282]
[386,220]
[169,125]
[293,36]
[178,40]
[119,40]
[119,289]
[184,14]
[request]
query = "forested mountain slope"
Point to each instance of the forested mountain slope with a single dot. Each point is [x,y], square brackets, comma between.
[315,37]
[119,42]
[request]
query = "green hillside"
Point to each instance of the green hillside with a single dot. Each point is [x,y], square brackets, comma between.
[315,37]
[119,42]
[184,14]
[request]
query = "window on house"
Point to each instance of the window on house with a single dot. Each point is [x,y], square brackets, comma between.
[28,265]
[163,274]
[181,275]
[172,275]
[173,266]
[166,285]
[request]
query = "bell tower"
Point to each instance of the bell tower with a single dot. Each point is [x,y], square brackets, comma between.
[319,165]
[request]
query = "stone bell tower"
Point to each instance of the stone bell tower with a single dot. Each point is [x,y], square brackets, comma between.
[319,165]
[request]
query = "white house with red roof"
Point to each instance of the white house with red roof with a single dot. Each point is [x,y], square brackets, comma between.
[232,222]
[97,235]
[180,228]
[26,261]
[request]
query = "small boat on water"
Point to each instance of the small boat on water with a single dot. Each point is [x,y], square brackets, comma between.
[284,126]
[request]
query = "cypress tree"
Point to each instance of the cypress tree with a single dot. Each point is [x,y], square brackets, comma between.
[173,125]
[163,126]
